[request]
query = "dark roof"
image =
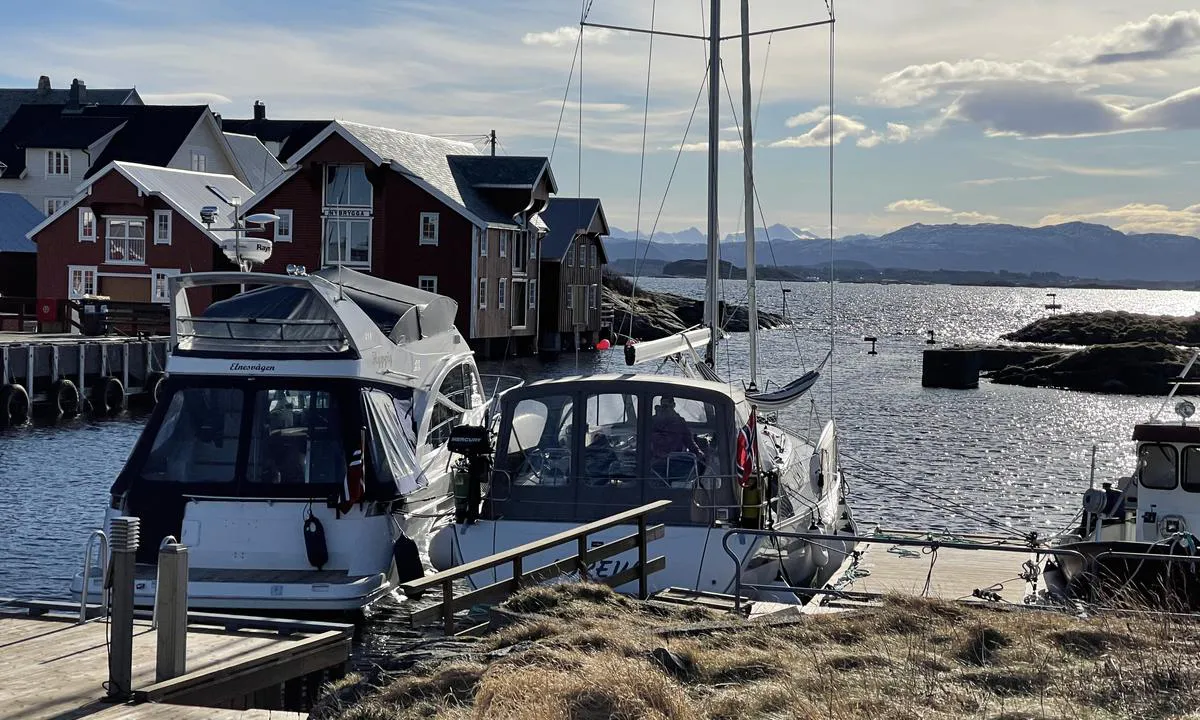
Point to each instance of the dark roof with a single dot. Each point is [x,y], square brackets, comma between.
[501,171]
[152,134]
[149,134]
[17,217]
[1154,432]
[293,134]
[565,218]
[13,98]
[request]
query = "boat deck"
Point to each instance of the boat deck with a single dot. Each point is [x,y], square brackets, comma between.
[52,667]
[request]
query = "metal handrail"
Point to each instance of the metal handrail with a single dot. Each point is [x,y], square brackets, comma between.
[902,542]
[168,540]
[87,574]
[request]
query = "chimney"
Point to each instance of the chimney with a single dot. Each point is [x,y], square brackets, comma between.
[77,95]
[43,85]
[260,110]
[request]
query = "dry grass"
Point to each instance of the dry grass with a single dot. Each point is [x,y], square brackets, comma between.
[593,655]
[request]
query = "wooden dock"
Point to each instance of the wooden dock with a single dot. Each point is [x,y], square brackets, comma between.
[154,711]
[53,667]
[948,574]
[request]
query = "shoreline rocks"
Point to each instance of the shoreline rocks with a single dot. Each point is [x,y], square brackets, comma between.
[649,315]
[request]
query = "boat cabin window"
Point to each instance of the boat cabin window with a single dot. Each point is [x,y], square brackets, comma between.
[1191,468]
[1156,466]
[461,387]
[610,452]
[540,445]
[197,440]
[683,439]
[296,438]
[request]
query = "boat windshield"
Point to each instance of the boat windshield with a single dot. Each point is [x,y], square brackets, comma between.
[1156,466]
[581,453]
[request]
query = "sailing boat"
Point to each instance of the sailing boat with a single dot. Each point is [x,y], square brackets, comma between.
[574,450]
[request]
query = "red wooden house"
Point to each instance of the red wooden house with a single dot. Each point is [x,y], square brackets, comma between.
[127,230]
[424,211]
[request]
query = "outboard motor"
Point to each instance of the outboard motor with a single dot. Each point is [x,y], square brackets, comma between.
[471,470]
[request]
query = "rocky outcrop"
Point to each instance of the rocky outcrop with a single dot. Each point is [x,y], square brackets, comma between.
[1109,328]
[1124,368]
[647,315]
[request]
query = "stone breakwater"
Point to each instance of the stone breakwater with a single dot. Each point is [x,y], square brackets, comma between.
[648,315]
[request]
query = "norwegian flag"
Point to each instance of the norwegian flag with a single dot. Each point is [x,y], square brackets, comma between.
[354,486]
[747,451]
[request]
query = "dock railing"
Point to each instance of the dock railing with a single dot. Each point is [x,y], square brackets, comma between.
[817,538]
[579,562]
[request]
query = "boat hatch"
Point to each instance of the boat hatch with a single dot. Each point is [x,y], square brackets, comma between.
[579,451]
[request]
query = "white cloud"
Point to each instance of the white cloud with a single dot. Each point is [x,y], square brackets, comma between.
[996,180]
[918,205]
[1138,218]
[185,98]
[1034,162]
[1155,38]
[566,36]
[807,118]
[702,146]
[917,83]
[839,126]
[898,132]
[602,107]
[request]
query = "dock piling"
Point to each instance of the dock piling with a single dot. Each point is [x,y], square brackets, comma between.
[171,611]
[124,545]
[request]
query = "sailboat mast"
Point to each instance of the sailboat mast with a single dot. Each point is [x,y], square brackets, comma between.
[711,308]
[748,154]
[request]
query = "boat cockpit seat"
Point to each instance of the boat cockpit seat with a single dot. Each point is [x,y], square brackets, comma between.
[678,470]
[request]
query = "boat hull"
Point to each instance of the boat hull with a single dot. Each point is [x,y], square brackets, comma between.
[1161,575]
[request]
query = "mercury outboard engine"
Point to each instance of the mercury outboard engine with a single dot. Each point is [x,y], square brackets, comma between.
[471,470]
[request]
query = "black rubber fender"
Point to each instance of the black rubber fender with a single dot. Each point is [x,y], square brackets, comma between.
[408,560]
[154,386]
[65,396]
[14,405]
[108,396]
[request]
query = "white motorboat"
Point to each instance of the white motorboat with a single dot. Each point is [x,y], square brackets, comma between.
[1138,532]
[298,446]
[575,450]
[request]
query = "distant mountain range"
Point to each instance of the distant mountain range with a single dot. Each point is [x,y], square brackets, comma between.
[1074,249]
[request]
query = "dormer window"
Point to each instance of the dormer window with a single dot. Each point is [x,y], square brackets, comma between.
[58,162]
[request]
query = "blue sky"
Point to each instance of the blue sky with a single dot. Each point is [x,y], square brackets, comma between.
[1020,111]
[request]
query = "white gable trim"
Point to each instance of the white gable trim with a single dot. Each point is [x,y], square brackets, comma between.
[70,206]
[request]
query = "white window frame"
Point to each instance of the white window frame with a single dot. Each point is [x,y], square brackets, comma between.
[504,237]
[502,294]
[54,204]
[154,276]
[520,307]
[285,217]
[327,261]
[158,215]
[432,279]
[483,291]
[435,222]
[592,252]
[581,248]
[83,234]
[593,299]
[108,219]
[482,236]
[533,293]
[571,253]
[84,269]
[199,161]
[532,245]
[570,297]
[58,163]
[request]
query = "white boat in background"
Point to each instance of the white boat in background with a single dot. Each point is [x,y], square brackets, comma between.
[298,448]
[575,450]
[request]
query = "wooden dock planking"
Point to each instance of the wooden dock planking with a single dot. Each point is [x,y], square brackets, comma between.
[52,668]
[156,711]
[956,573]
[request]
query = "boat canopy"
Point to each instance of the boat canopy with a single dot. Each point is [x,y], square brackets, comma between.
[404,313]
[580,449]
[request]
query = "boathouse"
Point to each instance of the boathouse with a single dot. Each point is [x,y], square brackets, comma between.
[128,229]
[424,211]
[573,260]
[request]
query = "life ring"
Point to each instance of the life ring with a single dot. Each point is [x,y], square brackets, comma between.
[154,385]
[66,398]
[14,405]
[108,396]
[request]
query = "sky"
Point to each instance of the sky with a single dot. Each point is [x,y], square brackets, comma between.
[1023,111]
